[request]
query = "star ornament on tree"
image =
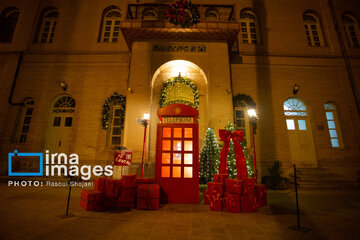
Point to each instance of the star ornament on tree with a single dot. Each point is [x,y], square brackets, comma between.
[182,13]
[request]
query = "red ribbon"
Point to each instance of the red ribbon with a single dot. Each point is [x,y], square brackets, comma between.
[236,137]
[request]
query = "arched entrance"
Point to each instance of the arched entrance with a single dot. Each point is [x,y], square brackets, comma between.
[60,130]
[299,132]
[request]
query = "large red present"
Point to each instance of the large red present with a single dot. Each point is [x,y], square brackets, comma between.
[127,193]
[248,203]
[215,202]
[148,203]
[148,191]
[90,206]
[99,184]
[215,187]
[220,177]
[233,186]
[129,181]
[91,195]
[206,197]
[145,181]
[232,202]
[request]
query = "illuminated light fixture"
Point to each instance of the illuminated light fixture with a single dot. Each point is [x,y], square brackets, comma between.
[252,114]
[64,85]
[296,89]
[146,116]
[179,68]
[253,118]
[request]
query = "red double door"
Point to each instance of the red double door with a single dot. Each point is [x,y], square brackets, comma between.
[177,162]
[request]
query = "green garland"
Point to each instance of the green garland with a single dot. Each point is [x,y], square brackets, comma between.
[176,14]
[172,82]
[107,107]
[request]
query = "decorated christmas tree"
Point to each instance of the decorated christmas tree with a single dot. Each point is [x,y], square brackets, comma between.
[209,157]
[231,156]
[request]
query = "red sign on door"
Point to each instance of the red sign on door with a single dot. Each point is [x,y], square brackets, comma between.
[123,158]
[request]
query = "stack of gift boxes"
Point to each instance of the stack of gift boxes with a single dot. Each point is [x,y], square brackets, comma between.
[128,192]
[234,195]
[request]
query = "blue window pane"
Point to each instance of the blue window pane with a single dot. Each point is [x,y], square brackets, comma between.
[302,124]
[333,133]
[334,143]
[290,124]
[329,116]
[331,124]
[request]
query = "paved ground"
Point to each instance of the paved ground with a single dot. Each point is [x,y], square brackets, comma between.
[33,213]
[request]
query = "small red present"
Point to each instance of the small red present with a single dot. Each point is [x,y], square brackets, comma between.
[215,202]
[233,186]
[220,177]
[99,184]
[248,203]
[110,203]
[90,206]
[248,187]
[148,203]
[126,203]
[112,188]
[206,197]
[128,193]
[215,187]
[145,181]
[129,181]
[148,191]
[91,195]
[232,202]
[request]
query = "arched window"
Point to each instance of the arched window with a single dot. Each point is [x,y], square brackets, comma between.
[111,24]
[249,27]
[352,30]
[113,118]
[149,14]
[48,26]
[26,120]
[293,108]
[212,14]
[333,125]
[313,29]
[8,20]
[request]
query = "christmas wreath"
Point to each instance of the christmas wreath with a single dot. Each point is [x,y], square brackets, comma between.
[182,13]
[107,107]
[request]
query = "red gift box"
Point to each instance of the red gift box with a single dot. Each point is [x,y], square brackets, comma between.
[91,195]
[206,197]
[90,206]
[232,202]
[248,203]
[220,177]
[148,191]
[127,193]
[126,203]
[99,184]
[148,203]
[215,202]
[234,186]
[145,181]
[110,203]
[111,188]
[248,187]
[129,181]
[215,187]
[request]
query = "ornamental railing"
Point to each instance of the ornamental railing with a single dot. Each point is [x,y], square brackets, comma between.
[135,12]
